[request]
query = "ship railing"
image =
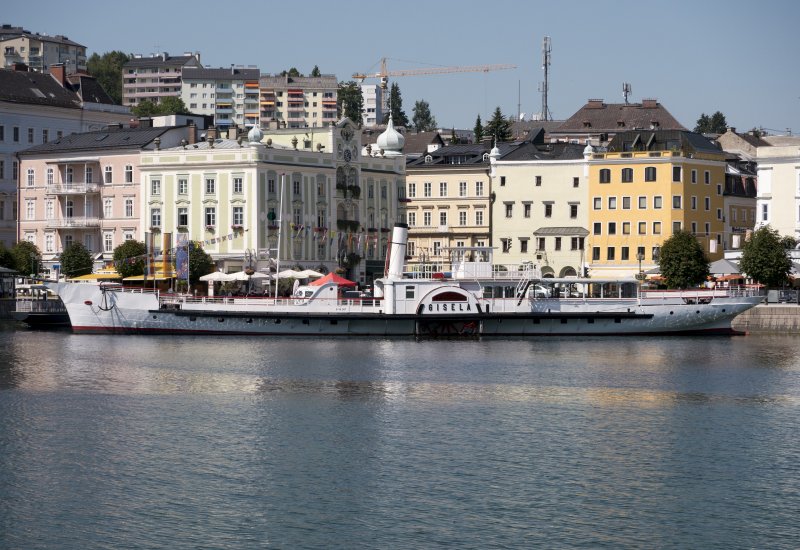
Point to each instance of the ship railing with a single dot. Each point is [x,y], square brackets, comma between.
[734,291]
[290,303]
[37,305]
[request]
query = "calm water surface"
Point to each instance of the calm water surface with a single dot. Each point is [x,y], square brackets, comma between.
[225,442]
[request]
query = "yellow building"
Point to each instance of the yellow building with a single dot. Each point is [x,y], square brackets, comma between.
[646,186]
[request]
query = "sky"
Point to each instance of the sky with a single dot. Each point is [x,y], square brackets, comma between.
[735,56]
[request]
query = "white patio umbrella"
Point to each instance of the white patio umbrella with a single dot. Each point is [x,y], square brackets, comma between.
[309,274]
[218,276]
[289,273]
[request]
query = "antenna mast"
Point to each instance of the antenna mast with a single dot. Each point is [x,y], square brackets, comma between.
[626,90]
[545,86]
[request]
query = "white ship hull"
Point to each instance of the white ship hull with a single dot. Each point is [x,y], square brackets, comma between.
[93,309]
[472,299]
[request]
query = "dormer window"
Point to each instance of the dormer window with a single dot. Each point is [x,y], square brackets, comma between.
[486,157]
[620,124]
[587,124]
[428,159]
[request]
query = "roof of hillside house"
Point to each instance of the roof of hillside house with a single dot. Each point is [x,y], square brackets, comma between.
[278,81]
[461,154]
[546,151]
[161,60]
[230,73]
[521,128]
[88,89]
[662,140]
[108,138]
[8,32]
[598,116]
[35,89]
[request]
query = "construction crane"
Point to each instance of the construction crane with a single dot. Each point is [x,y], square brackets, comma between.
[384,74]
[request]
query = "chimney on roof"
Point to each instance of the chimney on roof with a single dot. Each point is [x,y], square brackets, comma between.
[164,56]
[594,104]
[211,134]
[731,129]
[649,103]
[59,72]
[192,133]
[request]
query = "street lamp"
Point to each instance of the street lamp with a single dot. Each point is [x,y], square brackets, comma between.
[640,257]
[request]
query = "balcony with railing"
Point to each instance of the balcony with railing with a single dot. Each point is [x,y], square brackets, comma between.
[73,188]
[76,222]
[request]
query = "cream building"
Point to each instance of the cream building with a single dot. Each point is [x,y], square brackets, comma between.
[539,209]
[778,201]
[305,197]
[448,203]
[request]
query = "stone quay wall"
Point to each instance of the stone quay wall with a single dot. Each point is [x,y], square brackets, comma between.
[769,318]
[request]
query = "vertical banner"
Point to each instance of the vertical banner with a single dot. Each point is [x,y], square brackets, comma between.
[166,251]
[182,257]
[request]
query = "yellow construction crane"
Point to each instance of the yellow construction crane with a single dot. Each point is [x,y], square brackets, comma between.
[384,74]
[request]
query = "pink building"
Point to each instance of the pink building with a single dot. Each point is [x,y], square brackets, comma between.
[86,188]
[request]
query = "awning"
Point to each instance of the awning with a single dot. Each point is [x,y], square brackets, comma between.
[156,277]
[562,231]
[97,277]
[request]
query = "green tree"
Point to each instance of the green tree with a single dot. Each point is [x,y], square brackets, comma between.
[454,139]
[498,127]
[315,71]
[291,72]
[714,124]
[764,258]
[27,258]
[478,130]
[76,260]
[788,242]
[6,257]
[145,108]
[350,101]
[682,261]
[129,258]
[399,117]
[167,106]
[200,263]
[423,120]
[172,106]
[107,69]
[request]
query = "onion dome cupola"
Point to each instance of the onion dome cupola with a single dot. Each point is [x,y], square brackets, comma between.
[391,141]
[255,135]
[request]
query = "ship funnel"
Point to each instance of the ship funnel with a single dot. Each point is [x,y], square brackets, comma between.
[397,250]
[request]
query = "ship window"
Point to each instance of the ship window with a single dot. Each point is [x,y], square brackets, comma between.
[409,292]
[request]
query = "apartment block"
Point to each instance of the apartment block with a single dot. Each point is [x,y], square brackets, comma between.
[298,101]
[230,95]
[40,51]
[155,77]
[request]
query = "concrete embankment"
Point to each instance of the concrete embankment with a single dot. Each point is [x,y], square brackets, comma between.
[769,318]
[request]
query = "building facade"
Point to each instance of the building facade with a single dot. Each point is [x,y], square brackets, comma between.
[36,109]
[374,107]
[152,78]
[540,207]
[646,186]
[448,204]
[86,188]
[297,101]
[40,51]
[778,201]
[229,95]
[307,198]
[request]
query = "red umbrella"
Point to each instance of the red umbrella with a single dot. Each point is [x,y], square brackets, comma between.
[332,278]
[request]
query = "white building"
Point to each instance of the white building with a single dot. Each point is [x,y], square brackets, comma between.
[778,200]
[229,95]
